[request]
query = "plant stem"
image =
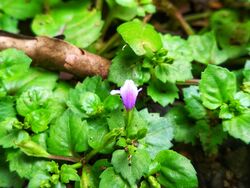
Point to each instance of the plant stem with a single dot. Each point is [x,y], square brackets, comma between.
[197,16]
[84,177]
[189,82]
[168,7]
[109,44]
[99,4]
[63,158]
[107,23]
[76,165]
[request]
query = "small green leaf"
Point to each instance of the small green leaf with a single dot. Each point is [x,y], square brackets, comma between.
[21,9]
[239,126]
[127,66]
[80,26]
[25,166]
[142,38]
[68,135]
[31,148]
[163,93]
[205,49]
[184,131]
[116,120]
[110,179]
[68,174]
[193,102]
[39,179]
[8,23]
[7,109]
[159,135]
[133,167]
[217,86]
[176,170]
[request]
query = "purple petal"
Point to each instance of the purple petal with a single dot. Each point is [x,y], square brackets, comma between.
[129,94]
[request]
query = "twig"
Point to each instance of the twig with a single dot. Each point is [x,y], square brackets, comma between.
[189,82]
[169,8]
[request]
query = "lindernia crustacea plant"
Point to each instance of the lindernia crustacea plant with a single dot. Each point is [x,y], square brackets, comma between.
[129,93]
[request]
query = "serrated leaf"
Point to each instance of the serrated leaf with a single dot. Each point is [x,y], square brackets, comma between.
[68,135]
[177,48]
[205,49]
[68,174]
[159,135]
[80,26]
[239,126]
[7,109]
[127,66]
[217,86]
[176,170]
[21,9]
[210,137]
[10,136]
[131,168]
[142,38]
[193,102]
[184,131]
[40,178]
[25,166]
[110,179]
[163,93]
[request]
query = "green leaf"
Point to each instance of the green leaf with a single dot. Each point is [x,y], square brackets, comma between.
[80,26]
[239,126]
[137,128]
[176,170]
[205,49]
[21,9]
[232,32]
[121,10]
[133,167]
[142,38]
[97,129]
[7,109]
[11,62]
[217,86]
[177,71]
[184,131]
[25,166]
[110,179]
[177,48]
[193,102]
[86,98]
[9,135]
[68,135]
[127,66]
[39,179]
[8,23]
[159,135]
[61,92]
[8,179]
[31,148]
[210,137]
[246,71]
[68,174]
[163,93]
[116,119]
[32,99]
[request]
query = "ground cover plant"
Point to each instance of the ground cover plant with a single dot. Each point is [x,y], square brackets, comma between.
[156,90]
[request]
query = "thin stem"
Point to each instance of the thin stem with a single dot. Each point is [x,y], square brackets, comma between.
[84,179]
[197,16]
[107,23]
[109,44]
[189,82]
[63,158]
[76,165]
[168,7]
[99,4]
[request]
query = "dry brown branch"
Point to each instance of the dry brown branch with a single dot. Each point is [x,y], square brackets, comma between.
[56,54]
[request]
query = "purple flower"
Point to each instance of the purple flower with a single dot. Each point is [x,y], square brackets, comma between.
[129,93]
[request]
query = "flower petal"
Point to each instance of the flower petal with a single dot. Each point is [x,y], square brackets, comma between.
[115,92]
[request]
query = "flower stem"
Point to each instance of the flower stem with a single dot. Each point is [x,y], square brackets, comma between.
[76,165]
[189,82]
[84,178]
